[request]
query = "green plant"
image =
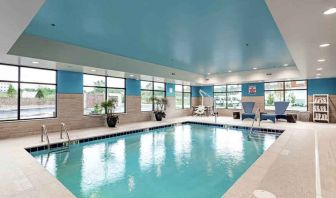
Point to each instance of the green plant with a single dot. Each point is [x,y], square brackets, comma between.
[39,94]
[159,103]
[109,105]
[96,109]
[11,92]
[270,99]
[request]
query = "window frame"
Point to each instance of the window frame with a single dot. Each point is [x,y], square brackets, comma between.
[105,87]
[226,92]
[153,90]
[283,90]
[19,82]
[183,91]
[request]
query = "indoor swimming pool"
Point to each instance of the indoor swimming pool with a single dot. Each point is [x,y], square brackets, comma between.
[186,160]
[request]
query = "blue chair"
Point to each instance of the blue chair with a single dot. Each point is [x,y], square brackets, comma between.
[248,110]
[280,109]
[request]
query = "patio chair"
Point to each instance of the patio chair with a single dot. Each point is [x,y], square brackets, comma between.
[280,109]
[248,110]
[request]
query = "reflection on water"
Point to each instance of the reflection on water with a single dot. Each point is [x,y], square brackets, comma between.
[102,163]
[228,144]
[180,161]
[182,144]
[152,151]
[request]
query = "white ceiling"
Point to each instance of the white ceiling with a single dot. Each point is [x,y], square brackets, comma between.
[15,15]
[304,27]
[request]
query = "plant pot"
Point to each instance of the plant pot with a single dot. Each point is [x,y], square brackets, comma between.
[159,115]
[112,121]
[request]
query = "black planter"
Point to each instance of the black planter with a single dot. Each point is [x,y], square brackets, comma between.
[159,115]
[112,121]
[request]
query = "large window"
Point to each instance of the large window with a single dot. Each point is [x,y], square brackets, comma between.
[295,92]
[148,90]
[98,89]
[26,95]
[182,96]
[227,96]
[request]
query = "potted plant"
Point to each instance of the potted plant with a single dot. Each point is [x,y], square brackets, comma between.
[159,107]
[111,117]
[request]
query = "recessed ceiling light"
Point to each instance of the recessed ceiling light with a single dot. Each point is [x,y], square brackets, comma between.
[330,11]
[255,68]
[229,71]
[285,65]
[320,60]
[131,75]
[209,73]
[35,62]
[318,74]
[325,45]
[319,69]
[93,70]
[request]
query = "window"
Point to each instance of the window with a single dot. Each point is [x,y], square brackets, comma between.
[148,90]
[182,96]
[227,96]
[295,92]
[98,89]
[37,93]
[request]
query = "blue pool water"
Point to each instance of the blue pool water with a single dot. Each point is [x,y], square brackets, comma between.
[188,160]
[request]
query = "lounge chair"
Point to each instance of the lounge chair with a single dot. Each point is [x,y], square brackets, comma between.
[248,110]
[280,109]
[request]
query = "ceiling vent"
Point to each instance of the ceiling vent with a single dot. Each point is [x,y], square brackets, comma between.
[269,74]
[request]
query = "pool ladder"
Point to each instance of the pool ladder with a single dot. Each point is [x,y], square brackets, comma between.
[251,129]
[44,132]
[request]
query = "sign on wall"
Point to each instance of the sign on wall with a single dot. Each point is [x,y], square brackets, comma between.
[252,89]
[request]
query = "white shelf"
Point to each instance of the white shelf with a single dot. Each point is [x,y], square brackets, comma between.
[321,108]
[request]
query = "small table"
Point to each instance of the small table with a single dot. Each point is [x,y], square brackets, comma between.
[291,117]
[236,115]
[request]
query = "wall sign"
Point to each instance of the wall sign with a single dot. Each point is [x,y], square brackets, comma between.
[252,89]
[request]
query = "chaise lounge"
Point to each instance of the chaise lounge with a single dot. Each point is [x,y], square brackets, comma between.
[280,109]
[248,110]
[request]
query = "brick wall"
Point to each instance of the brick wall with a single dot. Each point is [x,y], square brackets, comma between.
[70,111]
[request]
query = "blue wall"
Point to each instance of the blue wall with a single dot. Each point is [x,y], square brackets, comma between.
[133,87]
[168,87]
[322,86]
[69,82]
[260,89]
[206,89]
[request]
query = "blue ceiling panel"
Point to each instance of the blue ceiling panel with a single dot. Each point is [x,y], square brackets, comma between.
[200,36]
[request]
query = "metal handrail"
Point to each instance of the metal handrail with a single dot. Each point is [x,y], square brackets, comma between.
[251,130]
[44,132]
[65,130]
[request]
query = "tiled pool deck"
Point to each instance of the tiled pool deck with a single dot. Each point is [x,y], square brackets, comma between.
[287,169]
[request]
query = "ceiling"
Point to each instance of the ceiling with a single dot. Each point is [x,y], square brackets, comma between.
[195,36]
[304,28]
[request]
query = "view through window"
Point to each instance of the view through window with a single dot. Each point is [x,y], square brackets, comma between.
[25,95]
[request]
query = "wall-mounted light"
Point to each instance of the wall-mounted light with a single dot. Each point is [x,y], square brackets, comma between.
[285,65]
[321,60]
[35,62]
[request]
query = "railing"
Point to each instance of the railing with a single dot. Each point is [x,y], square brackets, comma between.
[65,130]
[251,129]
[44,132]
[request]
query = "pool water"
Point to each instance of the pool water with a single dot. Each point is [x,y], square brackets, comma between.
[188,160]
